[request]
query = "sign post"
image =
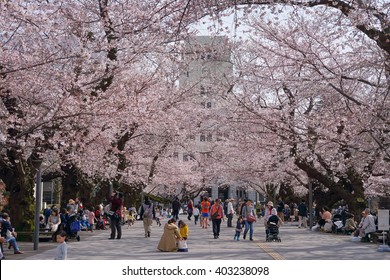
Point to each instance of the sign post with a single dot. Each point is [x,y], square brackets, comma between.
[383,224]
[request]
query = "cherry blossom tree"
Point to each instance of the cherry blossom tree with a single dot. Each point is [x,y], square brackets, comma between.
[314,100]
[71,72]
[91,86]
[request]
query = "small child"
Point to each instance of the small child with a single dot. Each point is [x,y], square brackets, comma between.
[238,228]
[130,218]
[158,221]
[165,213]
[91,218]
[196,214]
[183,228]
[42,224]
[62,249]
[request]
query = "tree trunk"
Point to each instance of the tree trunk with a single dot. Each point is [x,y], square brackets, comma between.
[20,182]
[70,187]
[349,190]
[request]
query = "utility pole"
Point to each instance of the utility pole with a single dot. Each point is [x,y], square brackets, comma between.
[38,207]
[310,203]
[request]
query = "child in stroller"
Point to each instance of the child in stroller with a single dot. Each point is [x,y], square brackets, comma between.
[273,227]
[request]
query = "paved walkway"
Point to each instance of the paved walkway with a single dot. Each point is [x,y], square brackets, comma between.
[297,244]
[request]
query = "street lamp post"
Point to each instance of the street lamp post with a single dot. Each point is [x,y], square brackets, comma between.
[310,203]
[38,207]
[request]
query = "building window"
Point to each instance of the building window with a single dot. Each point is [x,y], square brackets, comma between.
[202,137]
[206,155]
[205,90]
[210,54]
[176,155]
[188,156]
[209,137]
[202,90]
[208,104]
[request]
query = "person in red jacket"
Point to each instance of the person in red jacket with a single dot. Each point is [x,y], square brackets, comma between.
[116,209]
[190,209]
[217,215]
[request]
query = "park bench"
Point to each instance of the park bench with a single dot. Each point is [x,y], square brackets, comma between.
[44,235]
[378,236]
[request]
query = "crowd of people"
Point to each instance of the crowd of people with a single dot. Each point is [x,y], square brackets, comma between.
[207,213]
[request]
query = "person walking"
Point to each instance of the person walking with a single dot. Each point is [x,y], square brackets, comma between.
[190,209]
[240,221]
[302,214]
[116,209]
[267,214]
[280,209]
[217,215]
[196,214]
[242,204]
[148,214]
[205,212]
[230,212]
[286,213]
[249,217]
[176,208]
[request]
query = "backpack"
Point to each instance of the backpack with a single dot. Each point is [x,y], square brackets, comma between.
[148,211]
[215,215]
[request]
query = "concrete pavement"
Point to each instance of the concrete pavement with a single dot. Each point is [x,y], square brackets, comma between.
[297,244]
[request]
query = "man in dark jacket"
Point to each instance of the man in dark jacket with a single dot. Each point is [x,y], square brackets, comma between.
[280,209]
[176,208]
[116,214]
[302,214]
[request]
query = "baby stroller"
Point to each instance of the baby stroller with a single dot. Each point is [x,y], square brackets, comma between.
[337,223]
[73,227]
[273,232]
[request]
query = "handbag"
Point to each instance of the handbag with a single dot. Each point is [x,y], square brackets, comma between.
[113,215]
[249,217]
[182,245]
[8,234]
[215,214]
[54,227]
